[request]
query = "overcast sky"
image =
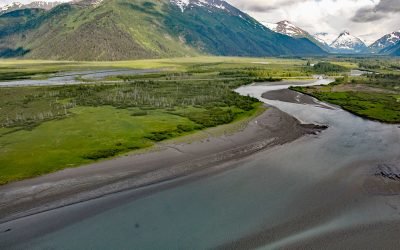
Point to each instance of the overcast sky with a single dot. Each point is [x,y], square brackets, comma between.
[367,19]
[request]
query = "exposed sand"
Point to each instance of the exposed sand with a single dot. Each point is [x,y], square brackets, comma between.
[287,95]
[174,160]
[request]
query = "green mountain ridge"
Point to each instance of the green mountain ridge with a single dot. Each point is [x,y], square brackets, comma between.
[138,29]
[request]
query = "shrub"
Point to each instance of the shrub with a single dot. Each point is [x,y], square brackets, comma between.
[101,154]
[140,113]
[160,136]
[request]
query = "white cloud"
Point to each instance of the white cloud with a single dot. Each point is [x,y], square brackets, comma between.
[332,16]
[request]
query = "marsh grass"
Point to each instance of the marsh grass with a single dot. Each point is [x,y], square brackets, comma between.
[382,106]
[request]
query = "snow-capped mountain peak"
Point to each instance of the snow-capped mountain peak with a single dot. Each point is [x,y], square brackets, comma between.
[11,6]
[287,28]
[35,4]
[185,4]
[347,43]
[386,41]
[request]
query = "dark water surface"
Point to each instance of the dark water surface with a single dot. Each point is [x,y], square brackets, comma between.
[305,192]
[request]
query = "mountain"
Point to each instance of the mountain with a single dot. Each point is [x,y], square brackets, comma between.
[347,43]
[11,7]
[33,5]
[287,28]
[385,41]
[393,50]
[132,29]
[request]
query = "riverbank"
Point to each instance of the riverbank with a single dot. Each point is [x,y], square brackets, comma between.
[375,102]
[170,161]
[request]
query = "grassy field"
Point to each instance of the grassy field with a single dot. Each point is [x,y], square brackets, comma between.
[266,67]
[48,128]
[45,129]
[89,134]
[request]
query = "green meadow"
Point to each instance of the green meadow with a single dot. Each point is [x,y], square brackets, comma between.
[48,128]
[88,134]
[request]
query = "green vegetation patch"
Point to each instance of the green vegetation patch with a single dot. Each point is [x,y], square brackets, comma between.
[328,68]
[49,128]
[376,106]
[90,133]
[385,81]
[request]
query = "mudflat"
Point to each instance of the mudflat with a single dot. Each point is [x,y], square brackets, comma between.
[169,161]
[287,95]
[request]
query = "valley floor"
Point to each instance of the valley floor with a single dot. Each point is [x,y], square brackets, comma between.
[111,109]
[169,160]
[184,124]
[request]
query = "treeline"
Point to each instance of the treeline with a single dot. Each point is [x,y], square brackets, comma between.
[390,81]
[28,108]
[370,65]
[326,68]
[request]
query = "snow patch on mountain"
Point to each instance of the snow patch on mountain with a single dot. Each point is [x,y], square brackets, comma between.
[271,26]
[182,4]
[32,5]
[286,28]
[386,41]
[8,7]
[93,3]
[185,4]
[47,5]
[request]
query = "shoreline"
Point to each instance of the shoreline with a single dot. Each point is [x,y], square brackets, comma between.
[174,160]
[366,117]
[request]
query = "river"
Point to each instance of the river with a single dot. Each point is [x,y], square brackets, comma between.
[321,191]
[77,77]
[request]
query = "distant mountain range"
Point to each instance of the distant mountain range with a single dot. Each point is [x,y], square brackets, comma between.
[345,43]
[287,28]
[132,29]
[386,41]
[32,5]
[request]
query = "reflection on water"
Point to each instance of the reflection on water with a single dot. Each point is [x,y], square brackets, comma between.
[356,72]
[272,199]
